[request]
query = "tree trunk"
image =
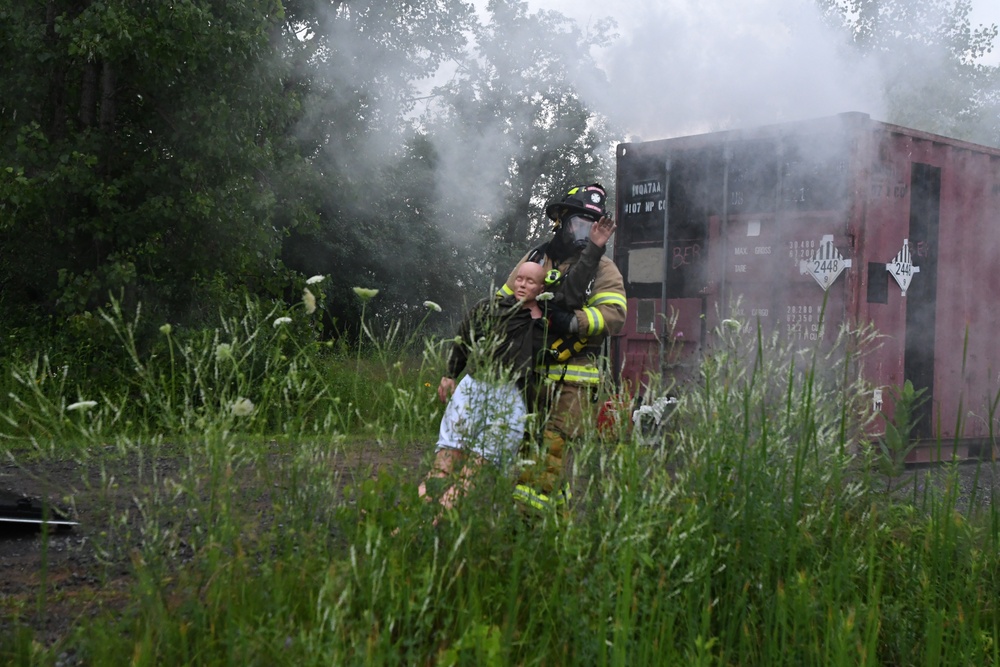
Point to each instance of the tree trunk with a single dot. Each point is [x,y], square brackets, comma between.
[108,80]
[88,95]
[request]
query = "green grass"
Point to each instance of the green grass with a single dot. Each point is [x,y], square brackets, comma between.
[756,534]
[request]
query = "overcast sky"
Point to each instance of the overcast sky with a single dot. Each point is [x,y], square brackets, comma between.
[688,66]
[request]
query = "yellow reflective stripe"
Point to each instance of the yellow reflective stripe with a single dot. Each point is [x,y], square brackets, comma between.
[595,321]
[504,291]
[602,298]
[570,373]
[529,496]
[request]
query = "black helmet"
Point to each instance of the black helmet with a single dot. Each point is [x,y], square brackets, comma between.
[585,200]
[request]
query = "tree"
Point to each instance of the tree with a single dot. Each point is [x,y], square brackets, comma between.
[138,154]
[179,153]
[931,58]
[515,132]
[372,171]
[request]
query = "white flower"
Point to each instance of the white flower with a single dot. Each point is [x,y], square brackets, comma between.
[315,279]
[545,296]
[430,305]
[242,407]
[282,320]
[365,293]
[309,300]
[81,405]
[223,352]
[732,324]
[166,329]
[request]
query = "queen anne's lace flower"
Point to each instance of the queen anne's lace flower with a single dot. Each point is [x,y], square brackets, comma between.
[365,293]
[223,352]
[315,279]
[282,320]
[430,305]
[309,301]
[241,407]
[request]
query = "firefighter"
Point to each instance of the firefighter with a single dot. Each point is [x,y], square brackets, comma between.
[588,305]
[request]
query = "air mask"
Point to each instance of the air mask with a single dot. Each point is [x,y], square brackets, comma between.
[577,230]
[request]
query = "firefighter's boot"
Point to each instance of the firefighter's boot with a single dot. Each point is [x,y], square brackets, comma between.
[538,482]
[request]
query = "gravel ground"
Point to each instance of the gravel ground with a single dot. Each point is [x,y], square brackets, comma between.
[978,482]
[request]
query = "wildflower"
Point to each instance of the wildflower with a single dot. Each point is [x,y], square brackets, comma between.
[166,329]
[223,352]
[732,324]
[241,407]
[545,296]
[81,405]
[282,320]
[315,279]
[430,305]
[365,293]
[309,300]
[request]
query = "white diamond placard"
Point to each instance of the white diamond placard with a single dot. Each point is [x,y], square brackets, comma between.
[826,263]
[901,267]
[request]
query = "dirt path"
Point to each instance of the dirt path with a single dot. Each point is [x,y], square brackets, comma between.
[52,580]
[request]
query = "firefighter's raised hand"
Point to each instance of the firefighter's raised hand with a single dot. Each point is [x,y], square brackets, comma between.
[446,388]
[602,230]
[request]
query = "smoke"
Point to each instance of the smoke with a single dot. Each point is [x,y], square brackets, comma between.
[704,65]
[692,66]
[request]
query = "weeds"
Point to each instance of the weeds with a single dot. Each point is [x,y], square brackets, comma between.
[896,444]
[750,534]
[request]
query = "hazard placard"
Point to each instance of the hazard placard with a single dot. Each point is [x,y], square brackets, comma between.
[901,267]
[826,264]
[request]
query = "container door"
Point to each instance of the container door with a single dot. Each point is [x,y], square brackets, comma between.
[921,296]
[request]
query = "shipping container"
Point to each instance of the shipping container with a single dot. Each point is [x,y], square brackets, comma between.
[846,217]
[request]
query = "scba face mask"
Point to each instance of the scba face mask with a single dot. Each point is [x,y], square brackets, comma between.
[577,230]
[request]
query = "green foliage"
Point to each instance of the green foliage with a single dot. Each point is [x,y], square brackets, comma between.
[138,154]
[180,155]
[896,444]
[265,372]
[515,111]
[752,536]
[929,54]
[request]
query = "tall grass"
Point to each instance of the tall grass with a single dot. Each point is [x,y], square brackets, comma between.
[755,533]
[264,373]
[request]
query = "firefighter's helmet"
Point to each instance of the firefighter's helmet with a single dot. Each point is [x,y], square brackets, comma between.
[585,200]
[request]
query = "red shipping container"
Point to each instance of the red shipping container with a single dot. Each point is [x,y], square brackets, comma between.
[856,219]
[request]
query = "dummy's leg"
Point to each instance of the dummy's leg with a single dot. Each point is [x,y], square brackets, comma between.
[451,464]
[446,460]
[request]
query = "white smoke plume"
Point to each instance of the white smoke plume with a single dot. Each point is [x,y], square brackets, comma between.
[690,66]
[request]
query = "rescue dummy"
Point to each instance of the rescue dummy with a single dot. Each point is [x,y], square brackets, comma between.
[484,421]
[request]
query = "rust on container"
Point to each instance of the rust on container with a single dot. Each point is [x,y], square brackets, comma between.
[801,227]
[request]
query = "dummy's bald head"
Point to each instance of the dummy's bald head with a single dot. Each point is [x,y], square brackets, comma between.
[529,281]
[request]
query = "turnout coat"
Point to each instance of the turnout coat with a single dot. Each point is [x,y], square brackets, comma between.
[592,286]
